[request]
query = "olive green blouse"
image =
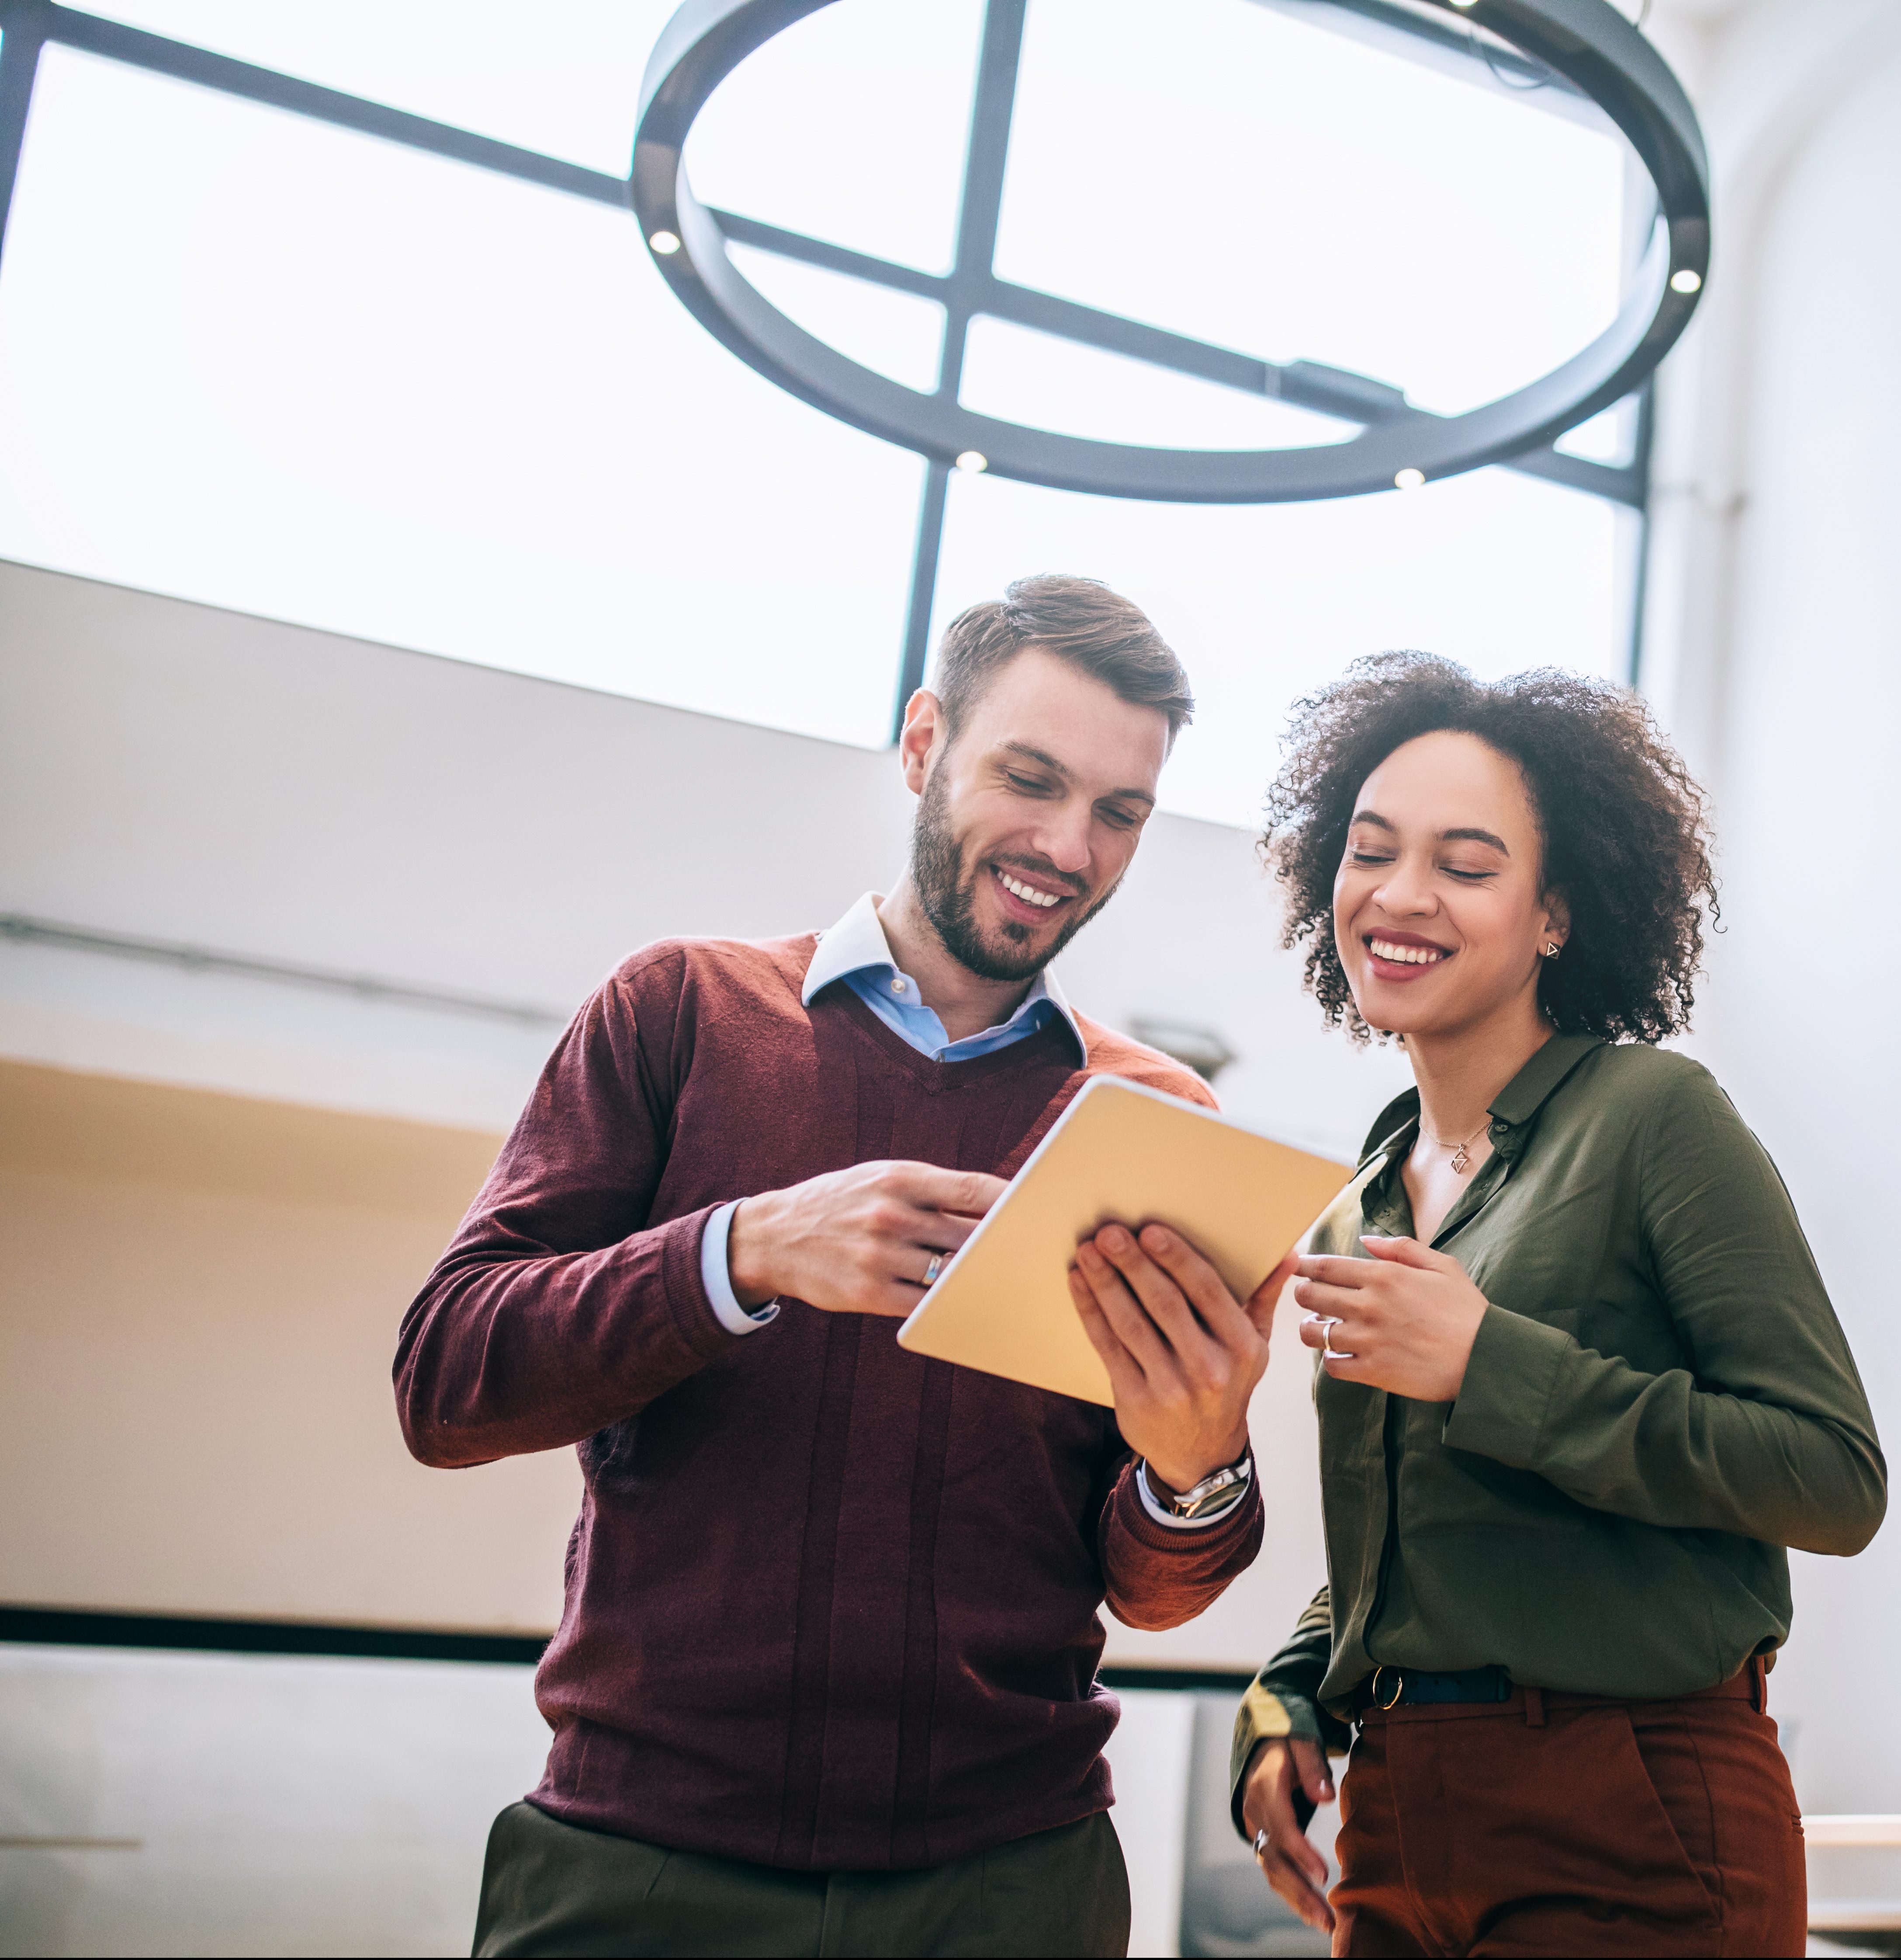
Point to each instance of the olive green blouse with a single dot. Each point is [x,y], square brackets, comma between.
[1660,1400]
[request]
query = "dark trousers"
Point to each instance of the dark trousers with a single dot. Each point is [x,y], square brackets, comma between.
[1563,1824]
[551,1888]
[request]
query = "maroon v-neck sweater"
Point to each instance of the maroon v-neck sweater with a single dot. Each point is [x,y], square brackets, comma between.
[829,1605]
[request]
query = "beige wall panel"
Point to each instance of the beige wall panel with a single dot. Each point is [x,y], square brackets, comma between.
[198,1302]
[199,1296]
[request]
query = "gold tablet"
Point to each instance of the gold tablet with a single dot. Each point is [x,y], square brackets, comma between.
[1119,1152]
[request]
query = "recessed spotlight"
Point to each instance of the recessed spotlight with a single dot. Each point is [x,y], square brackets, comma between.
[1410,479]
[974,461]
[1685,282]
[665,243]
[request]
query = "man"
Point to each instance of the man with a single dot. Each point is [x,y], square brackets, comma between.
[825,1678]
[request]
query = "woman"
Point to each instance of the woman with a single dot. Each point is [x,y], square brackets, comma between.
[1579,1384]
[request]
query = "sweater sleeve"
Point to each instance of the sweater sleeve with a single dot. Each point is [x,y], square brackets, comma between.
[1156,1577]
[1766,1430]
[558,1310]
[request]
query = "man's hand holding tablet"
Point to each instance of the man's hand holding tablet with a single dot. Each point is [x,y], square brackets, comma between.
[1183,1354]
[1114,1265]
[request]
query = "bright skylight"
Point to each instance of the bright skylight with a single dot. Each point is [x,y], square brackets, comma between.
[850,125]
[895,333]
[1263,182]
[1021,376]
[252,360]
[562,77]
[1265,603]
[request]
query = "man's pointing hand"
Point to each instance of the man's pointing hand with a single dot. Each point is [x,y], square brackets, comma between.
[856,1241]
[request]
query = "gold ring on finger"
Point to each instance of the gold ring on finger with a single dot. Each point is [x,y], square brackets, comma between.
[936,1267]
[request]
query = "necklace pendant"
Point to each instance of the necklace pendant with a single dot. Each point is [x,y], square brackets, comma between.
[1461,1163]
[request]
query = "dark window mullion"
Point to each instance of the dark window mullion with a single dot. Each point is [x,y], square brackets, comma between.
[971,278]
[923,590]
[20,41]
[1641,468]
[185,62]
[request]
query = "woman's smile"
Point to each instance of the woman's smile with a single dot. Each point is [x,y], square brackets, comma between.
[1403,957]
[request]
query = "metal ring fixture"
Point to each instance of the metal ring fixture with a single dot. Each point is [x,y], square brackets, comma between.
[1587,43]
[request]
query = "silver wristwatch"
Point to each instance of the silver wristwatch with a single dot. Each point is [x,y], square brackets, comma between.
[1210,1498]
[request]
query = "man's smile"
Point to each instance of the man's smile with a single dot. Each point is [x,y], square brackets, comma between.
[1028,893]
[1024,899]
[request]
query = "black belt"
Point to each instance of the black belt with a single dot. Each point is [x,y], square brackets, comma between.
[1413,1687]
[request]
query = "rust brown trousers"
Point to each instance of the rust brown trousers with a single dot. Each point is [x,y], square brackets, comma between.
[1565,1825]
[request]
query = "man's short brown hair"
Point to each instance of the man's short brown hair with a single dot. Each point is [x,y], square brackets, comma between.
[1079,620]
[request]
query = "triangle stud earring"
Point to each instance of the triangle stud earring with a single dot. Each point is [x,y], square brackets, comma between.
[1551,949]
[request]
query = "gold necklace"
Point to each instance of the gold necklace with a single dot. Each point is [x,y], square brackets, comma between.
[1461,1152]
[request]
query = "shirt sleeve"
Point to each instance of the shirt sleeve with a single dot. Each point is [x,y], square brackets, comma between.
[1764,1430]
[557,1310]
[1283,1699]
[716,1275]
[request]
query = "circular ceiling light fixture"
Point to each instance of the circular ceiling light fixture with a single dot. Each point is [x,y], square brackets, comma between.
[1587,44]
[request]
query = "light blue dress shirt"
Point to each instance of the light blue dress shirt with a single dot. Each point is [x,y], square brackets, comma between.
[856,951]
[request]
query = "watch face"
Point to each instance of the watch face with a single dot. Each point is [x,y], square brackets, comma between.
[1218,1492]
[1206,1495]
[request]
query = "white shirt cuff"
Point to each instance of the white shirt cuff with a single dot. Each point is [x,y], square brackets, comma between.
[1168,1518]
[718,1280]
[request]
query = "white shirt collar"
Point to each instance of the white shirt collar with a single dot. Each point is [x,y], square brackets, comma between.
[858,941]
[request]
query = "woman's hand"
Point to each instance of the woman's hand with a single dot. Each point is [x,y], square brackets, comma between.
[1289,1862]
[1407,1318]
[1183,1354]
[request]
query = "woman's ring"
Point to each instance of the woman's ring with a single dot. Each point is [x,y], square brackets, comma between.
[936,1267]
[1328,1352]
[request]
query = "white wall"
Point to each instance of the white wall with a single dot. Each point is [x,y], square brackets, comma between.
[196,1803]
[172,771]
[227,1804]
[1775,650]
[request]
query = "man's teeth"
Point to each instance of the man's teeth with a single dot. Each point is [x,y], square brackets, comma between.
[1407,955]
[1028,893]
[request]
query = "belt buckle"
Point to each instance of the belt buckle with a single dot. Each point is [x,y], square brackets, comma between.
[1399,1688]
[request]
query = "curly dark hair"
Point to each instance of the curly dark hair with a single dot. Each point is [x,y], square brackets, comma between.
[1624,829]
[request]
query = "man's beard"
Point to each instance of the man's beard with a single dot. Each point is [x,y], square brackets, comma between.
[947,890]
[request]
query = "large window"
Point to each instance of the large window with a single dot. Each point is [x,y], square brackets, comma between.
[252,356]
